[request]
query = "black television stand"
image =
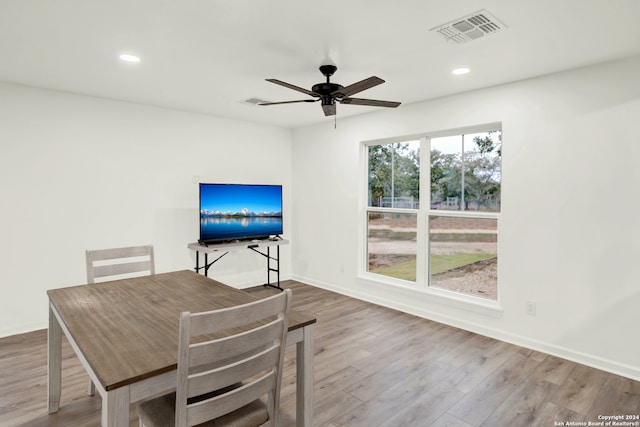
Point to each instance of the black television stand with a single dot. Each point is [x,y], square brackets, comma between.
[262,247]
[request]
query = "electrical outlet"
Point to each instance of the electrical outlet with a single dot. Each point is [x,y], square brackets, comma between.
[531,308]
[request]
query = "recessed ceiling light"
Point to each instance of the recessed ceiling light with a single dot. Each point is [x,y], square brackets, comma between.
[129,58]
[460,71]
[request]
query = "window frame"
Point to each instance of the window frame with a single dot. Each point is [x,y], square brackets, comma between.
[423,213]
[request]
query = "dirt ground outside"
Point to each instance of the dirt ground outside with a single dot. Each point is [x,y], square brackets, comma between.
[479,279]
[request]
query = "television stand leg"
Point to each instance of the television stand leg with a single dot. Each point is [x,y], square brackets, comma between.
[270,269]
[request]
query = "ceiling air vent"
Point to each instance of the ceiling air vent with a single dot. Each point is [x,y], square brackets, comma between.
[471,27]
[254,101]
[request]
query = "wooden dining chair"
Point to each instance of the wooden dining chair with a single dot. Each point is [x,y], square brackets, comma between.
[230,375]
[104,263]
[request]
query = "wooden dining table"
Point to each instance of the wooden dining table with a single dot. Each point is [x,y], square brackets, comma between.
[125,333]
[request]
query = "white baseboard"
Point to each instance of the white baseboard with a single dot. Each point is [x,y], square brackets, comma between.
[22,329]
[617,368]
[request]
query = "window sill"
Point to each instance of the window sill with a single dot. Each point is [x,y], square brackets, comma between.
[468,303]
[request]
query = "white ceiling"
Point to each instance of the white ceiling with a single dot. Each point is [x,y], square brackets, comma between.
[208,56]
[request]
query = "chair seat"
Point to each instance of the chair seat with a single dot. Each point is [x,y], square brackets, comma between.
[160,412]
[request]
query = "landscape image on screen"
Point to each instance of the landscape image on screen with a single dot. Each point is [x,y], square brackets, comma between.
[239,211]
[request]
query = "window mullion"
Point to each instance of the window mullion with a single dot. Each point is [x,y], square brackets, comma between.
[422,237]
[462,173]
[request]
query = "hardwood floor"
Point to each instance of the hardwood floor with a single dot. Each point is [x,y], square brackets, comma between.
[373,367]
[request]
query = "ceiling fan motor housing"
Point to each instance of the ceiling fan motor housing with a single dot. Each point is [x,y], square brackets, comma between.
[326,88]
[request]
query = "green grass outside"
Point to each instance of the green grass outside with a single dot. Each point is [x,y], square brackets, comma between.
[439,264]
[388,234]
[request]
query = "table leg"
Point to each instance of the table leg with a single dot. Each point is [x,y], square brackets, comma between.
[304,378]
[115,408]
[54,362]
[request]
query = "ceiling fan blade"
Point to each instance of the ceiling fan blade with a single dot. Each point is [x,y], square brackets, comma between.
[289,102]
[329,110]
[370,102]
[290,86]
[359,86]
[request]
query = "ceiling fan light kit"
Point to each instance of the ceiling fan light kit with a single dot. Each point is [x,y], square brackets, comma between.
[329,93]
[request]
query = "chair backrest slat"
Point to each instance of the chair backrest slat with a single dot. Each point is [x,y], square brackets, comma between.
[227,318]
[216,379]
[225,349]
[124,268]
[228,402]
[115,253]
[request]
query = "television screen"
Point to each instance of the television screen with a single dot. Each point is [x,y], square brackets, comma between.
[239,212]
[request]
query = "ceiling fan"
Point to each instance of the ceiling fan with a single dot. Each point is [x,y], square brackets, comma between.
[330,93]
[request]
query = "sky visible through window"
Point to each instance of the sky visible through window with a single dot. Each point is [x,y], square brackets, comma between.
[453,144]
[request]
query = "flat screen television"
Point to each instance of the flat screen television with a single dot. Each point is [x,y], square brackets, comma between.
[231,212]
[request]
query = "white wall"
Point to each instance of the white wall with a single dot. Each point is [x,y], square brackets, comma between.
[79,172]
[569,234]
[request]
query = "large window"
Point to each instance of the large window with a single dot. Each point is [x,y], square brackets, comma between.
[449,241]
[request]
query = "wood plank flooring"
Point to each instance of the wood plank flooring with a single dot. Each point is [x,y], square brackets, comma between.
[373,367]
